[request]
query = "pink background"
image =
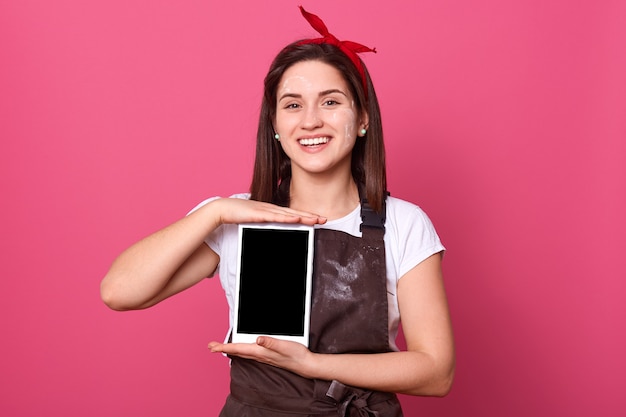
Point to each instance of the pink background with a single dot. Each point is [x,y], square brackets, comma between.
[505,121]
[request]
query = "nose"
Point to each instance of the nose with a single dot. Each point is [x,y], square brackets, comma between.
[311,118]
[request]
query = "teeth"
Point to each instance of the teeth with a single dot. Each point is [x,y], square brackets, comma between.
[313,141]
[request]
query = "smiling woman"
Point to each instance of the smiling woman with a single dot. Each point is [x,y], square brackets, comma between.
[320,161]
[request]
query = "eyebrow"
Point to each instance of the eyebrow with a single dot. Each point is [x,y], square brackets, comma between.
[321,93]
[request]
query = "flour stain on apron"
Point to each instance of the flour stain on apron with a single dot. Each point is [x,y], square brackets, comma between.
[340,288]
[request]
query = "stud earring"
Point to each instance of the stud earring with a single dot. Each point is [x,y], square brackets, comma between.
[363,132]
[277,136]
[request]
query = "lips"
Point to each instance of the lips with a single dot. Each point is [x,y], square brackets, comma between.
[313,141]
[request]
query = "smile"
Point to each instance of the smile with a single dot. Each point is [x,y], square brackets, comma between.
[313,141]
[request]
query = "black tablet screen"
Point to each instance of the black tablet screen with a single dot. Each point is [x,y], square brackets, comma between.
[272,287]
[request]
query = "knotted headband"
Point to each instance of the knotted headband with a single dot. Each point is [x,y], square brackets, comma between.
[349,48]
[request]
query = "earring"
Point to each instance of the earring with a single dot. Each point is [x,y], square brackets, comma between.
[277,136]
[363,132]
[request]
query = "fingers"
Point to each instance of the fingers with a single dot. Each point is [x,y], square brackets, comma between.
[263,347]
[239,349]
[281,353]
[309,220]
[215,346]
[234,348]
[266,342]
[274,213]
[242,350]
[234,210]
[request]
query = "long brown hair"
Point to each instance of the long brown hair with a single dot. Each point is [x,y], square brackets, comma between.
[272,167]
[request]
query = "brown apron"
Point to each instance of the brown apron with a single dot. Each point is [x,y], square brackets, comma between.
[348,315]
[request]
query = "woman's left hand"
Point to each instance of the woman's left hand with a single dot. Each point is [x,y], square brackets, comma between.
[284,354]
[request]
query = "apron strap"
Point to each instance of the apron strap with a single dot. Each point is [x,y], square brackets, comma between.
[369,217]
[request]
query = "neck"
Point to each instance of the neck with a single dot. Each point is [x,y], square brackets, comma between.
[332,198]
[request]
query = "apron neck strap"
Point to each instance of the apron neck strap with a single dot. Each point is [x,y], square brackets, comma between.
[369,217]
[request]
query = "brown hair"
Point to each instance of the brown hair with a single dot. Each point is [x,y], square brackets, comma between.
[272,167]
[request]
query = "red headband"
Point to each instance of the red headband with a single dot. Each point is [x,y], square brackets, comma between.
[347,47]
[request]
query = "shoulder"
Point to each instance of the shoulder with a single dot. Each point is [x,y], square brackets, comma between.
[411,234]
[244,196]
[404,212]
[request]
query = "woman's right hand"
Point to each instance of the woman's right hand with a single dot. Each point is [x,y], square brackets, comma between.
[237,210]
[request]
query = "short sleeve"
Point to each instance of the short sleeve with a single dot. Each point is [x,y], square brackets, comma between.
[216,238]
[414,236]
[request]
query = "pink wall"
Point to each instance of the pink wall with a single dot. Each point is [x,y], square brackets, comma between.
[505,121]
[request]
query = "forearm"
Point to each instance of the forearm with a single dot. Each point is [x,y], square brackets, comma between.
[146,268]
[413,373]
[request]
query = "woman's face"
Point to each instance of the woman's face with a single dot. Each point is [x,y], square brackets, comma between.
[316,118]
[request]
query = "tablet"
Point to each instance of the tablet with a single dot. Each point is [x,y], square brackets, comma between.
[273,288]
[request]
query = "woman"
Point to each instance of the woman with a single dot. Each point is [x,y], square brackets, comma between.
[319,161]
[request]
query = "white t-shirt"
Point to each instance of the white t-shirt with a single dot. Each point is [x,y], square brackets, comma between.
[409,239]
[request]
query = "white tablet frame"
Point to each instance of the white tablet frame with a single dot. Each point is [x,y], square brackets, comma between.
[243,337]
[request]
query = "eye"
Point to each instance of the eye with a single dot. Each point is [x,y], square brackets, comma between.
[330,102]
[292,106]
